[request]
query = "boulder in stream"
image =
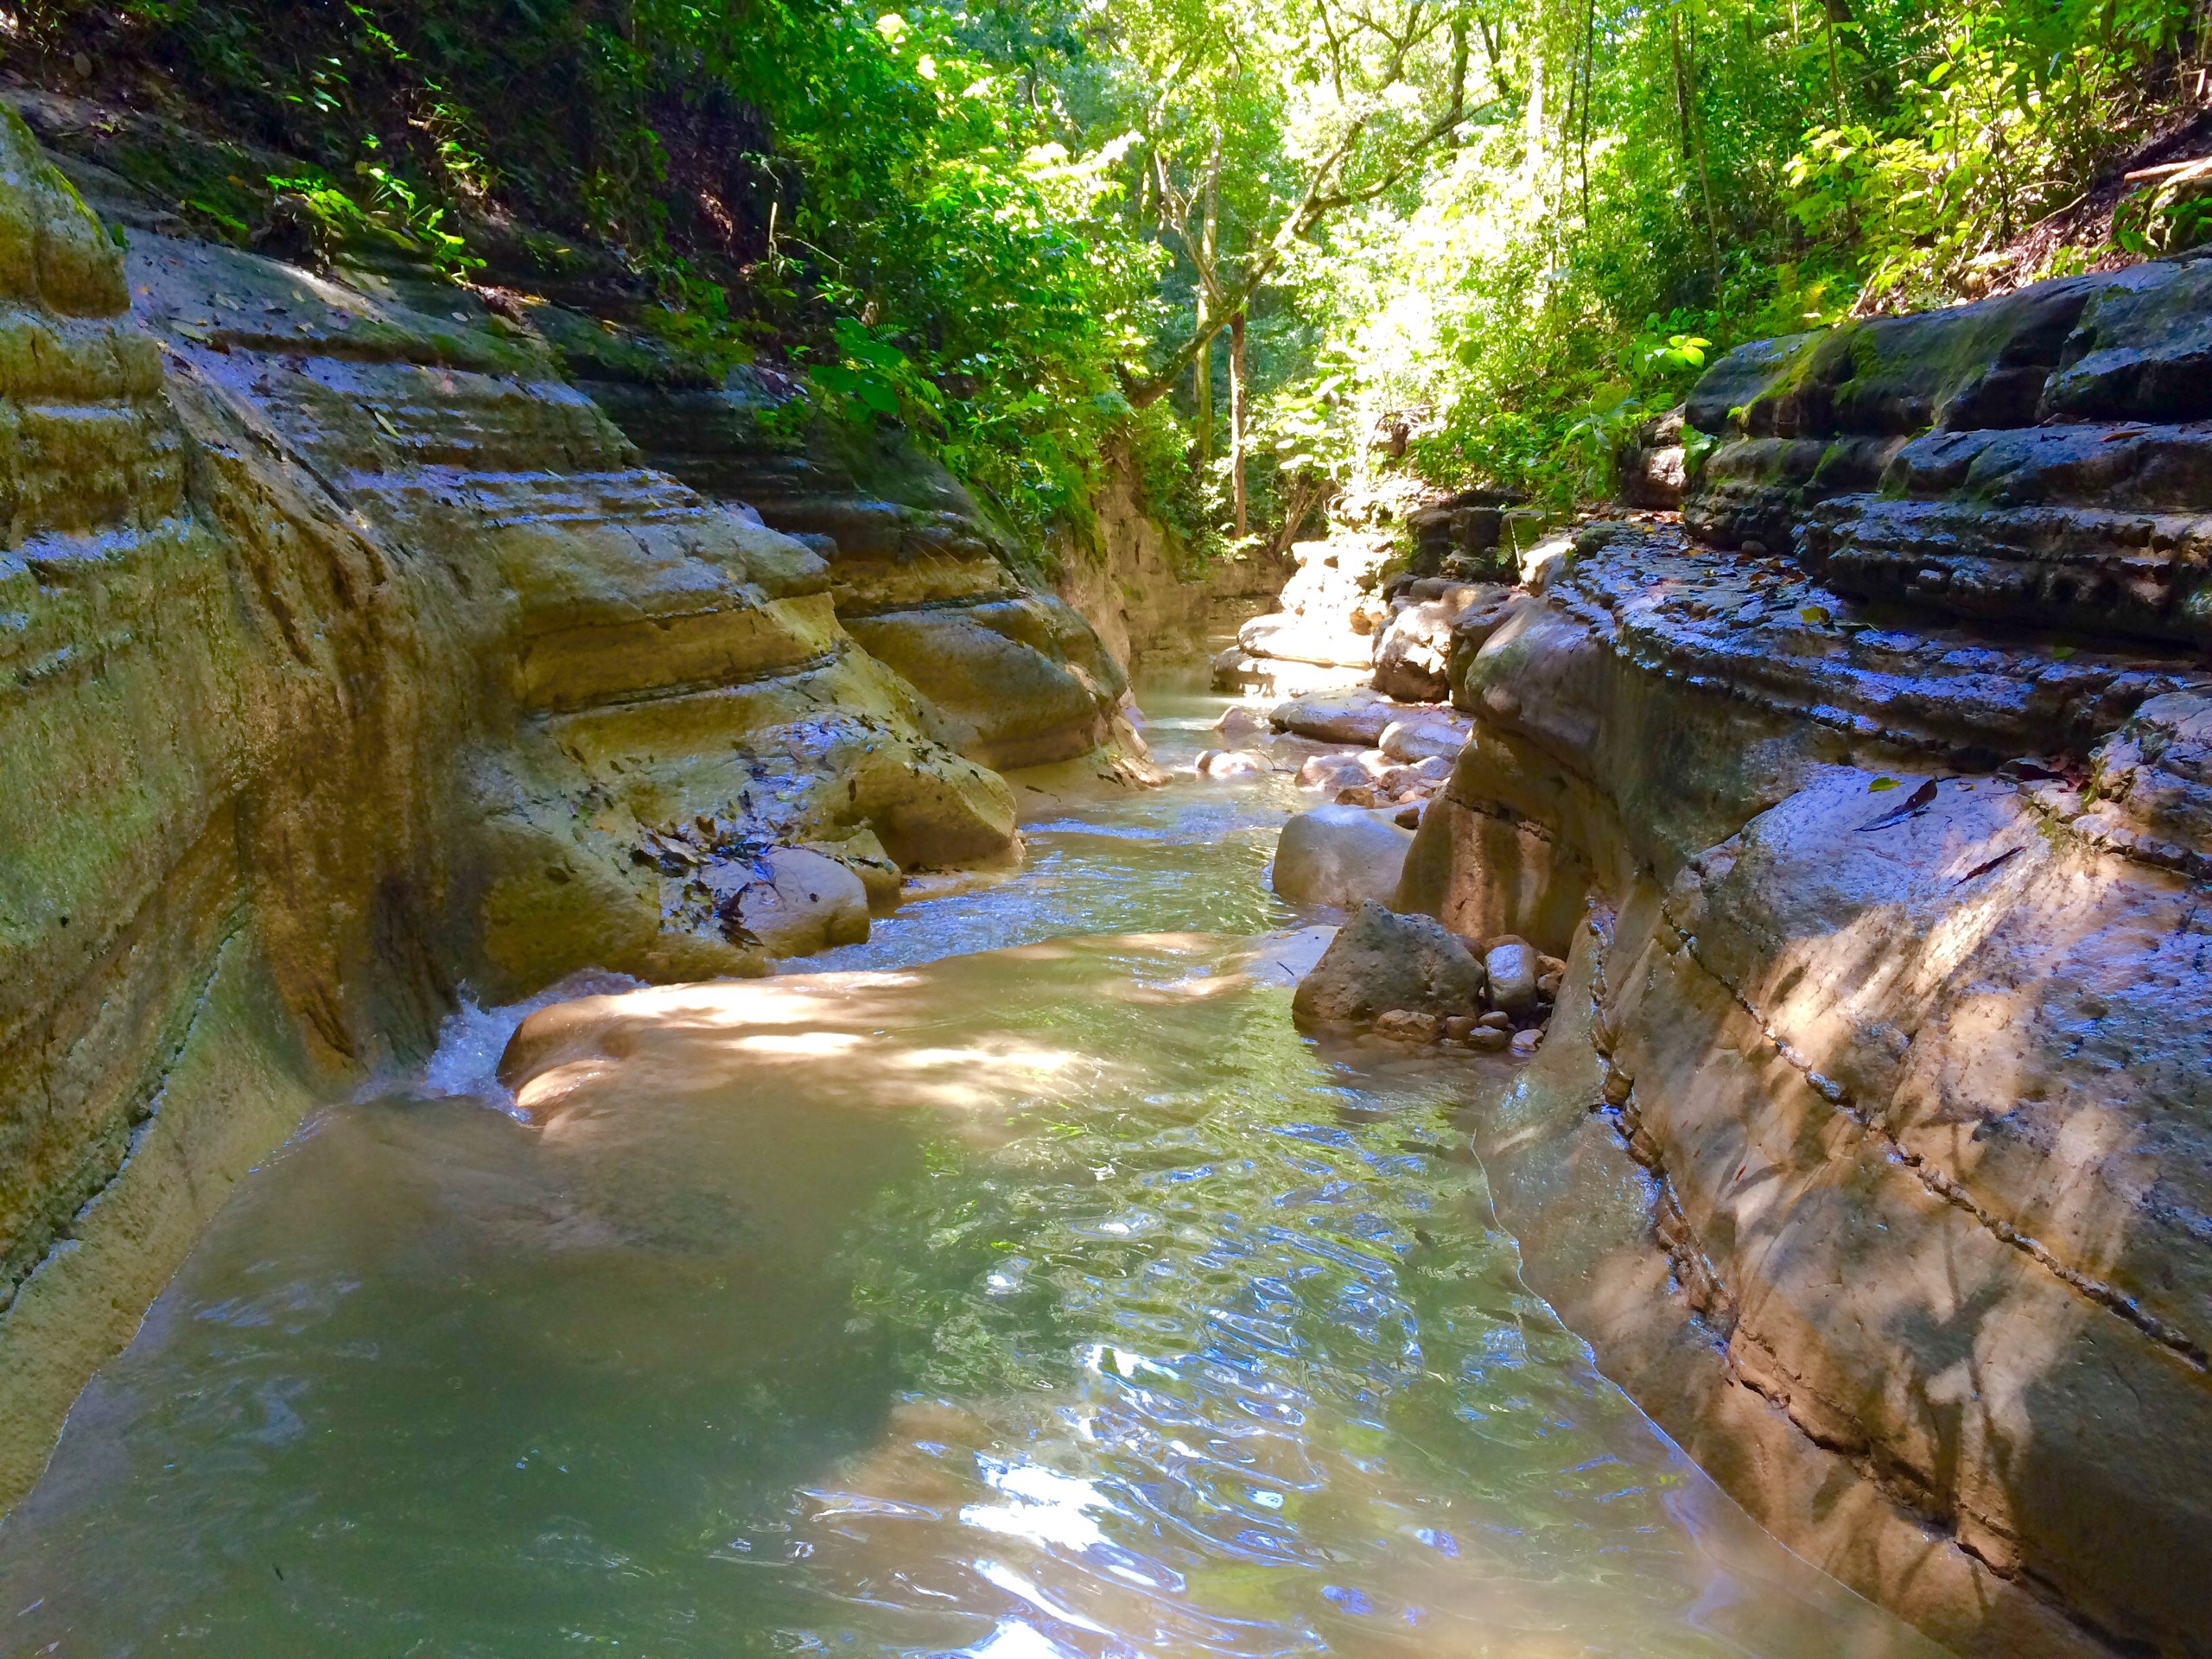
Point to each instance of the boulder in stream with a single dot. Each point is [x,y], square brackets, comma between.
[1336,717]
[1423,735]
[1232,763]
[1379,963]
[801,902]
[1340,855]
[1413,656]
[1511,963]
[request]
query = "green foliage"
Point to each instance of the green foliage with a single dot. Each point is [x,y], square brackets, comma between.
[381,210]
[1603,428]
[2171,214]
[1513,232]
[1722,170]
[875,378]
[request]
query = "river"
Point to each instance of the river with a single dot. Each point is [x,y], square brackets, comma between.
[1028,1288]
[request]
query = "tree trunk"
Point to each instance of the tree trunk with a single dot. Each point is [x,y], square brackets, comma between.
[1589,76]
[1207,257]
[1202,395]
[1836,75]
[1237,425]
[1693,133]
[1532,118]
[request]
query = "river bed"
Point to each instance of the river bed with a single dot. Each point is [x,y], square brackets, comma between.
[1027,1287]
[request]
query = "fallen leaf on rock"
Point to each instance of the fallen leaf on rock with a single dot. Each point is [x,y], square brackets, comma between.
[1987,864]
[1919,800]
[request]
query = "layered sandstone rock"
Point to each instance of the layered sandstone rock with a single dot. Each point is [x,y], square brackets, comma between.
[1870,1147]
[1131,579]
[918,574]
[350,652]
[647,663]
[193,937]
[2035,458]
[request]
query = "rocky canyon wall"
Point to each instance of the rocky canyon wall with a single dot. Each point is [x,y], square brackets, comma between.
[1872,1145]
[1133,581]
[352,649]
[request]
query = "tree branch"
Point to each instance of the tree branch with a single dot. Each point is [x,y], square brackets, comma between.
[1324,192]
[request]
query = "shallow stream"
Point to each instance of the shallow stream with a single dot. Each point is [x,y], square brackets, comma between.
[1056,1301]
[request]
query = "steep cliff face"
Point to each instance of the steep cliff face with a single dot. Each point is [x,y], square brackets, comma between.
[192,947]
[349,651]
[1872,1146]
[1131,582]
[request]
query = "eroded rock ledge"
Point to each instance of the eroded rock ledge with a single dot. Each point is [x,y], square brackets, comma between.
[1872,1145]
[350,652]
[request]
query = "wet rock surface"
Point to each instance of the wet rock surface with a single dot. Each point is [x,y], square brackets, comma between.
[1412,655]
[1865,1119]
[1863,1129]
[1340,855]
[1399,979]
[1511,966]
[1402,975]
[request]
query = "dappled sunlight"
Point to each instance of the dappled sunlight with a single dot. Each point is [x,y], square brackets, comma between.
[923,1038]
[1926,1157]
[852,1040]
[1057,1299]
[569,506]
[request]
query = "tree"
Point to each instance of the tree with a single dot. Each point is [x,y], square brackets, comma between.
[1367,96]
[1255,124]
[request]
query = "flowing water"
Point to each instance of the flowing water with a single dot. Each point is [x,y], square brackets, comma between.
[1058,1300]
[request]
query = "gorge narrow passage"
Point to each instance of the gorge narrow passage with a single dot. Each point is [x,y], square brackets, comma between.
[1039,1291]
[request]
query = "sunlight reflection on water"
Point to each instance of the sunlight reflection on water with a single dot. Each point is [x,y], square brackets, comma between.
[1056,1301]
